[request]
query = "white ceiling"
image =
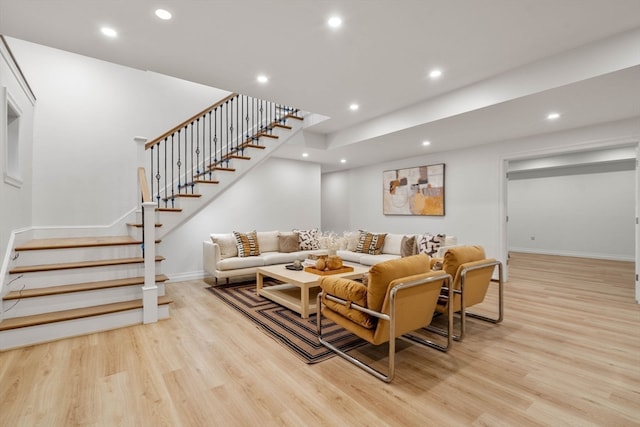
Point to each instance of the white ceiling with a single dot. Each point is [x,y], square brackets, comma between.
[379,58]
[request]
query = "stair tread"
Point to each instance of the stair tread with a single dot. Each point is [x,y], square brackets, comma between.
[267,135]
[220,168]
[81,264]
[188,195]
[77,242]
[248,145]
[206,181]
[139,225]
[79,287]
[169,209]
[280,125]
[76,313]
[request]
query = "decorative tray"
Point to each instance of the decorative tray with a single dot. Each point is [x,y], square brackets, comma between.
[343,269]
[293,267]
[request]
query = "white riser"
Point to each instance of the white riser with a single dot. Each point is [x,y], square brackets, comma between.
[53,331]
[77,275]
[59,302]
[56,256]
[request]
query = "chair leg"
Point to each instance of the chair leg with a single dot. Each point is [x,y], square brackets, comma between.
[380,375]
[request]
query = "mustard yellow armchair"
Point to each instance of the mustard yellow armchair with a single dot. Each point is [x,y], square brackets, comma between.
[400,297]
[472,274]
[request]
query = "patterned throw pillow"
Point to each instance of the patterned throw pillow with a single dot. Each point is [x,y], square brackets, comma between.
[370,243]
[247,244]
[308,239]
[430,243]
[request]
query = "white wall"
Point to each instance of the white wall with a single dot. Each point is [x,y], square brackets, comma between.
[588,215]
[85,160]
[279,194]
[15,195]
[475,202]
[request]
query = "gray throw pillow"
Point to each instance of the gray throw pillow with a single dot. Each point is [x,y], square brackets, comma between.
[408,246]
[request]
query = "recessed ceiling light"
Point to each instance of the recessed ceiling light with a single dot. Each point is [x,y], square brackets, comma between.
[343,160]
[334,22]
[109,32]
[434,74]
[426,143]
[553,116]
[354,107]
[305,154]
[263,79]
[163,14]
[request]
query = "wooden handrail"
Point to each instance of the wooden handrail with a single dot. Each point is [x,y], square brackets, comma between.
[189,120]
[144,186]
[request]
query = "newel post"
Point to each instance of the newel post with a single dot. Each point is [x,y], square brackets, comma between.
[148,216]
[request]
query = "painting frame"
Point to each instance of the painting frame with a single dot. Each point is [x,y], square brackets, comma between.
[417,191]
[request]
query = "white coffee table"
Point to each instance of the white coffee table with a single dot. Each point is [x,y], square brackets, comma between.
[300,289]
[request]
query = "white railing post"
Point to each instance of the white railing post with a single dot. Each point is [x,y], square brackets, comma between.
[150,289]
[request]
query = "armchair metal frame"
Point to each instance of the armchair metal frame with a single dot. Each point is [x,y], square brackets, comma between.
[463,309]
[391,318]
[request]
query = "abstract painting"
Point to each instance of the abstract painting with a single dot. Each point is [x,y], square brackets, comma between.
[414,191]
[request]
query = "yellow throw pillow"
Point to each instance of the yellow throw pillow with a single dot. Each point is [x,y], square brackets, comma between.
[370,243]
[247,244]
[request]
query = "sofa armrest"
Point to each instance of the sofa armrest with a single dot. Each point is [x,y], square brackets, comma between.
[210,257]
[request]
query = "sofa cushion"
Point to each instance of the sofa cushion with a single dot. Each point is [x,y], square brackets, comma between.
[349,256]
[247,244]
[308,239]
[227,244]
[392,244]
[288,242]
[381,274]
[430,243]
[236,263]
[370,243]
[408,246]
[271,258]
[366,259]
[268,241]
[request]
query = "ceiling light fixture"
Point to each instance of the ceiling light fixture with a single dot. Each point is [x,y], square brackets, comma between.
[354,107]
[426,143]
[262,79]
[165,15]
[109,32]
[434,74]
[305,154]
[343,160]
[553,116]
[334,22]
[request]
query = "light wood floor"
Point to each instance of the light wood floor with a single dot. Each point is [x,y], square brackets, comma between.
[567,354]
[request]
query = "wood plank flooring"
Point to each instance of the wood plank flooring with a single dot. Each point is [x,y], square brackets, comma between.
[567,354]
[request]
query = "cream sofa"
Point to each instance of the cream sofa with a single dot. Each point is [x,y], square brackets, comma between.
[222,262]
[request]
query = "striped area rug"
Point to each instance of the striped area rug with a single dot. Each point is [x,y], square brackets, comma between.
[285,326]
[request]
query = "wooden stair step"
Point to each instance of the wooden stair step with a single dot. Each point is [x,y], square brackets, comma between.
[77,242]
[220,168]
[206,181]
[280,125]
[76,313]
[188,195]
[267,135]
[250,145]
[79,287]
[81,264]
[168,209]
[139,225]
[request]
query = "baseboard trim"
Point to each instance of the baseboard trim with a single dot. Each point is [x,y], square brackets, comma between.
[610,257]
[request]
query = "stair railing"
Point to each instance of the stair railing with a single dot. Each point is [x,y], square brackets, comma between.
[149,289]
[192,151]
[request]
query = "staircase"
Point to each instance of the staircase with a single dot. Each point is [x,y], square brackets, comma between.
[57,287]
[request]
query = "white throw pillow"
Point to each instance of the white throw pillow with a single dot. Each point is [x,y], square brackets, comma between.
[227,244]
[268,241]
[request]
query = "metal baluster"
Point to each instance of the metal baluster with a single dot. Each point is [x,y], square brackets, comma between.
[179,163]
[172,168]
[197,153]
[166,175]
[158,176]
